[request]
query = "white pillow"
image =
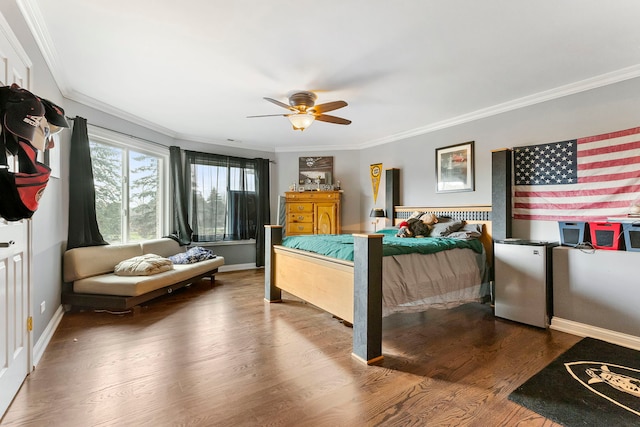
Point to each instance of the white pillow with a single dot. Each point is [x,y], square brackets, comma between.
[143,265]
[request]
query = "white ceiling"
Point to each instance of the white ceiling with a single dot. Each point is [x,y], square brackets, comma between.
[194,69]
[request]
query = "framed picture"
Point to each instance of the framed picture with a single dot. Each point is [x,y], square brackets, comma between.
[315,170]
[454,168]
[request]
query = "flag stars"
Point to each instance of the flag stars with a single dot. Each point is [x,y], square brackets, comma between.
[545,164]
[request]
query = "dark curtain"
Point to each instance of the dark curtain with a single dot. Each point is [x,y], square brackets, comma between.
[263,210]
[208,176]
[181,227]
[242,225]
[229,198]
[83,225]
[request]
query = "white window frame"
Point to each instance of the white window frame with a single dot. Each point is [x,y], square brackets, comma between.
[129,143]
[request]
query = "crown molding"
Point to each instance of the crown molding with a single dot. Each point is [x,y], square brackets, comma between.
[36,23]
[526,101]
[13,40]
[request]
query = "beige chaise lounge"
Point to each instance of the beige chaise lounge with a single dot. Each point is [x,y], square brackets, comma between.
[90,280]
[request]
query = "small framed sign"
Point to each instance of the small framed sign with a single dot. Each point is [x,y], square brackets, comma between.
[315,170]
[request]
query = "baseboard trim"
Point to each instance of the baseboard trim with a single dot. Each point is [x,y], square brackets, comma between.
[236,267]
[583,330]
[42,343]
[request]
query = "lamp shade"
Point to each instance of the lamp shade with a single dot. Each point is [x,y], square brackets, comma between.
[301,121]
[377,213]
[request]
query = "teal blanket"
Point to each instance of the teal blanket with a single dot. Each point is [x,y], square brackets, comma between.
[341,245]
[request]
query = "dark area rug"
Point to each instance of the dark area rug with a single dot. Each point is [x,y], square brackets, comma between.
[594,383]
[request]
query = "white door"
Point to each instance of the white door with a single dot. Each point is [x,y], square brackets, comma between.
[15,337]
[14,309]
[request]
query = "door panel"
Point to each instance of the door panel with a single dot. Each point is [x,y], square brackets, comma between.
[14,301]
[326,218]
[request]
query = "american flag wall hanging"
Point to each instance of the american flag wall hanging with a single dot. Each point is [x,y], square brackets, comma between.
[586,179]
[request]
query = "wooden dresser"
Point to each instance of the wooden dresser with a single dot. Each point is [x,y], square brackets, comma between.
[313,212]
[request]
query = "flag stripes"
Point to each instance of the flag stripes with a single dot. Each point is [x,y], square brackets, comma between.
[587,179]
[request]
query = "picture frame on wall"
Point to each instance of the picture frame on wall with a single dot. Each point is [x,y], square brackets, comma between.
[315,170]
[455,168]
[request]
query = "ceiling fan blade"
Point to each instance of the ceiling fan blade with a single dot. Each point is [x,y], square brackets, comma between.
[329,106]
[281,104]
[332,119]
[269,115]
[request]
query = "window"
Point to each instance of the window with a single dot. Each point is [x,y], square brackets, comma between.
[130,183]
[223,198]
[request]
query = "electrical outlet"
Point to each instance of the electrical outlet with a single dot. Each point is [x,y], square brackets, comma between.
[42,307]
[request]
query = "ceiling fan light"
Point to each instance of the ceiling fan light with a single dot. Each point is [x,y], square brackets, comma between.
[301,121]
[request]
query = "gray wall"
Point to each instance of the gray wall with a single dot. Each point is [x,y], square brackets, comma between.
[346,168]
[605,109]
[597,288]
[49,223]
[609,108]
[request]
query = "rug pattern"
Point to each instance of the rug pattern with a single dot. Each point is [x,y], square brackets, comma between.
[594,383]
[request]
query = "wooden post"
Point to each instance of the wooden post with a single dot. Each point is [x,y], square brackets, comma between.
[392,195]
[367,304]
[272,236]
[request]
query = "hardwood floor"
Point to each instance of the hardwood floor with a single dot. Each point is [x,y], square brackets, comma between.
[222,356]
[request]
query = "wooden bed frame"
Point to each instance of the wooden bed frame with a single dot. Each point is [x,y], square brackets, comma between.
[350,290]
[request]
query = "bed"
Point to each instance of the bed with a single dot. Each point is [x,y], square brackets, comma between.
[352,289]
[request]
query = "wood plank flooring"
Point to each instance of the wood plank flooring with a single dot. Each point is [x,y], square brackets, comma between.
[222,356]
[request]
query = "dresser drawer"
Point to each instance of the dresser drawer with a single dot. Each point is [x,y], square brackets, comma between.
[320,195]
[312,212]
[312,196]
[299,228]
[300,217]
[299,207]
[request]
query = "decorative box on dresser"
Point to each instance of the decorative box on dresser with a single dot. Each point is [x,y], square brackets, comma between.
[313,212]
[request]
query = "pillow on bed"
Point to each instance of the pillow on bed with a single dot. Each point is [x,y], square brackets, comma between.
[443,228]
[467,232]
[192,255]
[416,214]
[143,265]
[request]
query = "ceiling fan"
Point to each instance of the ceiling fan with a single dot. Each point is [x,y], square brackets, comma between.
[304,111]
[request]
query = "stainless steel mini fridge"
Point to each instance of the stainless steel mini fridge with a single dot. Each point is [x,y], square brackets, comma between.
[523,281]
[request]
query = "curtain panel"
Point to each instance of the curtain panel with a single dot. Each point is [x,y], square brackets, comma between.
[228,198]
[181,228]
[263,210]
[83,224]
